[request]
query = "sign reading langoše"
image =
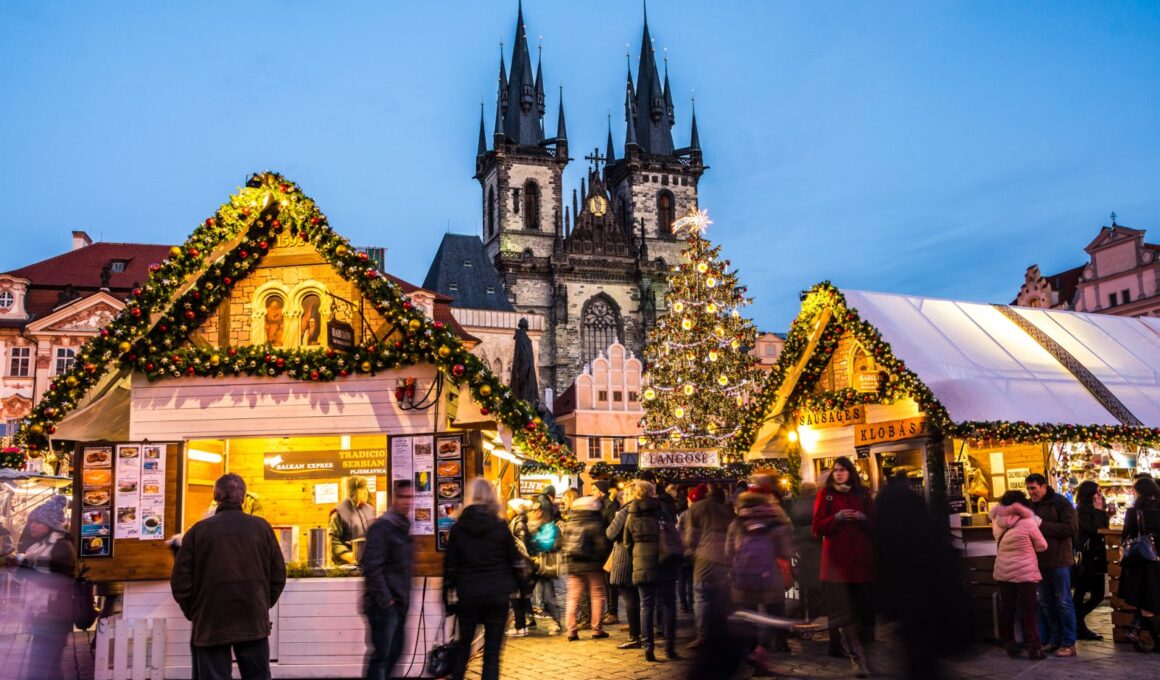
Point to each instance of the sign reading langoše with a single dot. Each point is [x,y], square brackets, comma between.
[680,458]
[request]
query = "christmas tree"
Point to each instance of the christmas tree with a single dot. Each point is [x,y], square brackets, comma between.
[698,366]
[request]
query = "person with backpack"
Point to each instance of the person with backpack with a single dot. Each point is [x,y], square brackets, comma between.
[759,537]
[642,537]
[585,548]
[1017,540]
[544,547]
[843,517]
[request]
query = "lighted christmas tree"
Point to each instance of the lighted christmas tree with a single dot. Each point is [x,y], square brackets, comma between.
[699,370]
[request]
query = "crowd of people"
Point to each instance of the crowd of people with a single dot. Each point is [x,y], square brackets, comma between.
[643,551]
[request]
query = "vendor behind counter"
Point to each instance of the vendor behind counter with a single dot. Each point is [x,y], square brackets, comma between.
[349,521]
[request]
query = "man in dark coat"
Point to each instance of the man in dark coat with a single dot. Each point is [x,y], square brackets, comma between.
[609,506]
[227,575]
[386,568]
[705,525]
[1059,525]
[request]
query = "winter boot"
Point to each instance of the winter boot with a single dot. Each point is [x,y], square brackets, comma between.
[859,663]
[1152,625]
[1133,636]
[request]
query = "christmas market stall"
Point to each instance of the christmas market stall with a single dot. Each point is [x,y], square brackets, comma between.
[267,346]
[962,399]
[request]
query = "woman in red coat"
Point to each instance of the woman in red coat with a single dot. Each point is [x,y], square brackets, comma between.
[843,513]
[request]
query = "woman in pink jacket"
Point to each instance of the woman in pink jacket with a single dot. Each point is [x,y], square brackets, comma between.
[1017,539]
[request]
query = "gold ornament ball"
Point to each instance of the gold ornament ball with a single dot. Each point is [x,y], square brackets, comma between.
[71,381]
[679,412]
[444,351]
[175,252]
[735,344]
[710,282]
[37,429]
[365,366]
[687,324]
[124,346]
[415,324]
[713,355]
[688,390]
[642,440]
[719,331]
[678,307]
[711,308]
[702,267]
[722,380]
[340,250]
[650,394]
[484,390]
[676,434]
[215,359]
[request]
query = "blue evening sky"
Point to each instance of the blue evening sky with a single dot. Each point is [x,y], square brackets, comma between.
[936,148]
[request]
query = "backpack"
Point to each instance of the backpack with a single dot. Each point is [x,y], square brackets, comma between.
[672,548]
[754,567]
[545,538]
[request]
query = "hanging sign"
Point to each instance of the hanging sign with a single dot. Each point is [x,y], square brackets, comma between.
[890,430]
[339,336]
[832,418]
[680,458]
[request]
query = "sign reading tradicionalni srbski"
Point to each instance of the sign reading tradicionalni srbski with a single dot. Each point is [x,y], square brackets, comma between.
[680,458]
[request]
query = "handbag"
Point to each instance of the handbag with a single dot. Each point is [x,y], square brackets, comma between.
[1142,546]
[84,610]
[440,656]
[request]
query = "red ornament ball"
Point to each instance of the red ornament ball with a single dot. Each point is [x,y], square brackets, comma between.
[329,353]
[136,311]
[232,351]
[149,367]
[342,373]
[194,252]
[227,280]
[190,371]
[262,244]
[407,305]
[314,375]
[246,211]
[458,370]
[209,221]
[104,332]
[530,427]
[244,254]
[315,220]
[280,362]
[137,292]
[190,314]
[363,257]
[484,410]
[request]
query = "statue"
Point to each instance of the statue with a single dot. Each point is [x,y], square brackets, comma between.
[106,274]
[523,382]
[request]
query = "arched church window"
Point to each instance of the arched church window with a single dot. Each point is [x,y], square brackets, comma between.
[666,212]
[531,205]
[601,326]
[489,221]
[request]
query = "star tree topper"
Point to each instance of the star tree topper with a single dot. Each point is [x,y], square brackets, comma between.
[694,223]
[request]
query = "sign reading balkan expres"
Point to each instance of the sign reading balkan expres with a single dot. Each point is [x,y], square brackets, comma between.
[680,458]
[322,464]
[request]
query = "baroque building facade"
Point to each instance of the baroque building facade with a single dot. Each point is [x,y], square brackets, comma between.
[594,270]
[1121,277]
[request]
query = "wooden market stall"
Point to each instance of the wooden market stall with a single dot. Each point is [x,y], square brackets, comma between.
[965,400]
[268,347]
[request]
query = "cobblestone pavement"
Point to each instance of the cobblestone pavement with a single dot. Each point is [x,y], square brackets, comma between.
[77,663]
[540,657]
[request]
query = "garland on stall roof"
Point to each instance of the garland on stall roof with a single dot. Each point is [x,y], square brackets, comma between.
[900,383]
[149,335]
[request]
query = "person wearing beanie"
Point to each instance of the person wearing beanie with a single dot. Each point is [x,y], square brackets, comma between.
[546,502]
[349,520]
[46,564]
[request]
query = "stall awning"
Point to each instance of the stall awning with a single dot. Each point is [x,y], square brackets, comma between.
[770,442]
[105,416]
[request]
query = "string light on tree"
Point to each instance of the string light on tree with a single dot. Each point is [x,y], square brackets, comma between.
[699,366]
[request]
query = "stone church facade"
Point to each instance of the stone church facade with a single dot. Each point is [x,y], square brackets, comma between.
[595,266]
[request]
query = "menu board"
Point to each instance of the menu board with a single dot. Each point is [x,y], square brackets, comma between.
[127,497]
[448,486]
[96,502]
[152,492]
[423,519]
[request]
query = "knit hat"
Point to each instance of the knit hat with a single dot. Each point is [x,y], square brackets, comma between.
[550,491]
[699,492]
[603,484]
[353,484]
[50,513]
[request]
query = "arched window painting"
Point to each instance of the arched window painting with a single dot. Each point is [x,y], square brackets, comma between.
[274,319]
[311,320]
[601,326]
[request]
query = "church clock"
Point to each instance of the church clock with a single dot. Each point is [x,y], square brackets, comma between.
[598,205]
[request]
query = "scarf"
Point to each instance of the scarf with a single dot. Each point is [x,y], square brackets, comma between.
[842,488]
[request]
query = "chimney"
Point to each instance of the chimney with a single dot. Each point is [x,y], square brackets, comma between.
[80,239]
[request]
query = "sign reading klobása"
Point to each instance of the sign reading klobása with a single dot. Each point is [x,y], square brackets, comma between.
[889,431]
[680,458]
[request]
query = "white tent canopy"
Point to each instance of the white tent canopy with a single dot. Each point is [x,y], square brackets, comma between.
[982,366]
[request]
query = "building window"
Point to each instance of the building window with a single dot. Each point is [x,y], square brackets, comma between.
[666,212]
[453,287]
[602,395]
[617,396]
[617,448]
[1112,299]
[491,290]
[531,205]
[7,299]
[117,266]
[594,448]
[633,397]
[20,362]
[467,263]
[64,359]
[490,226]
[601,326]
[1125,297]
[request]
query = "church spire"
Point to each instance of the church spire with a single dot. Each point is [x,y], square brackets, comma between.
[653,117]
[522,116]
[629,111]
[482,149]
[610,152]
[501,98]
[561,129]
